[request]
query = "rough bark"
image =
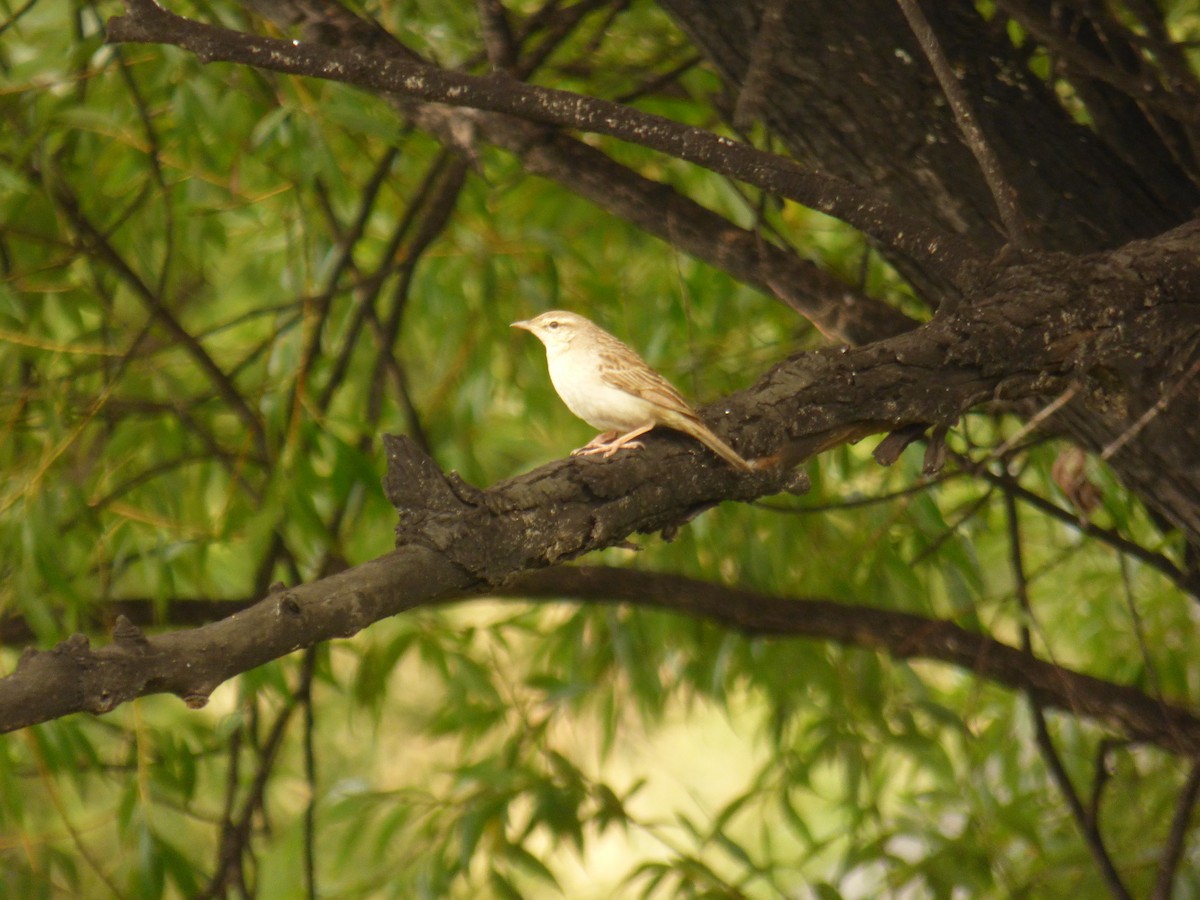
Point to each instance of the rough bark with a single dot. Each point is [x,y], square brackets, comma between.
[1037,329]
[909,235]
[851,93]
[840,311]
[1103,419]
[75,678]
[1078,189]
[1119,330]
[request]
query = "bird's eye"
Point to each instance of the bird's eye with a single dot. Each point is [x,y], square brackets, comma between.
[553,323]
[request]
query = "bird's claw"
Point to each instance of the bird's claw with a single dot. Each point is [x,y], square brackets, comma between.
[628,445]
[606,449]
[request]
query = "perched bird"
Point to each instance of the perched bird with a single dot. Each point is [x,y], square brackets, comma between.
[610,387]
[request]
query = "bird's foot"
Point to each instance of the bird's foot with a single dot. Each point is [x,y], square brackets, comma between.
[606,447]
[622,445]
[608,443]
[598,444]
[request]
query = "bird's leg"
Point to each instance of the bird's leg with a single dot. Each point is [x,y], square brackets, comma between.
[607,445]
[627,440]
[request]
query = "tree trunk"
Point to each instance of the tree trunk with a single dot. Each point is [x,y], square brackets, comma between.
[849,91]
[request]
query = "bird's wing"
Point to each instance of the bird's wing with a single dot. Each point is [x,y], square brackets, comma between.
[631,374]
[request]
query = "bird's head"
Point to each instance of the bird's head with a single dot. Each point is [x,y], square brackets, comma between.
[557,328]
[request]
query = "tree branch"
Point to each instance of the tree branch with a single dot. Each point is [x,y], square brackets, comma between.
[1002,192]
[1089,825]
[455,540]
[836,308]
[1172,854]
[399,74]
[1181,102]
[833,306]
[1177,502]
[387,586]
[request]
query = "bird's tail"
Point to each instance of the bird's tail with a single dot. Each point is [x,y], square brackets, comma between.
[701,432]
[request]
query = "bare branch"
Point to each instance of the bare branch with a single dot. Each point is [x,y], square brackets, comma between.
[1172,853]
[1182,105]
[901,635]
[1164,566]
[835,307]
[322,303]
[399,74]
[73,677]
[1003,192]
[157,306]
[236,829]
[1144,419]
[455,540]
[304,696]
[497,35]
[1089,826]
[838,310]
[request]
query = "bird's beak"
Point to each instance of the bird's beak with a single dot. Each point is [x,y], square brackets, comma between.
[524,325]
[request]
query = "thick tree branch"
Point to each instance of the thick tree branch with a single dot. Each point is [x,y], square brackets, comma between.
[833,306]
[386,586]
[73,677]
[1042,325]
[861,65]
[909,235]
[899,635]
[836,308]
[1151,466]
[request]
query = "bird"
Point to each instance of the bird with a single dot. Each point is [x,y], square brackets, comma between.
[605,383]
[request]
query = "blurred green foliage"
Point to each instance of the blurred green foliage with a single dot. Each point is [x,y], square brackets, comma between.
[492,749]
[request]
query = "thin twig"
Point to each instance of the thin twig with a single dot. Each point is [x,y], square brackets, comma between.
[1041,416]
[322,303]
[1002,191]
[952,529]
[658,82]
[857,502]
[436,209]
[1118,542]
[236,832]
[1090,829]
[51,785]
[555,29]
[154,156]
[16,16]
[1139,632]
[156,304]
[497,35]
[371,286]
[304,695]
[1172,853]
[1180,104]
[1145,418]
[953,258]
[1100,779]
[757,79]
